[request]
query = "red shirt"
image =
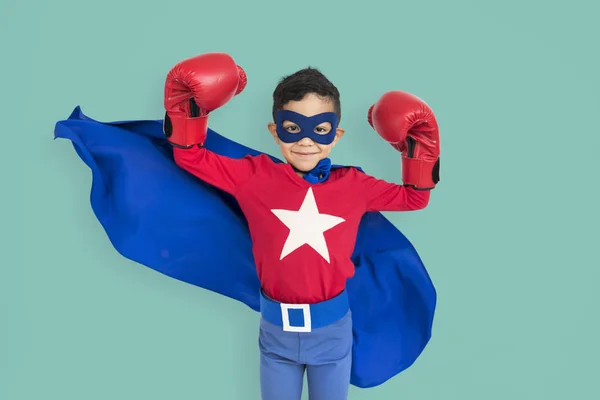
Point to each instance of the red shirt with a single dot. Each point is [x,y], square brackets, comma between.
[303,234]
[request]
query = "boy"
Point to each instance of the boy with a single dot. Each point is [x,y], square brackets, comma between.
[303,215]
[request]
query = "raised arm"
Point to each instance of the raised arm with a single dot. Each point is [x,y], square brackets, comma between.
[387,196]
[194,88]
[410,126]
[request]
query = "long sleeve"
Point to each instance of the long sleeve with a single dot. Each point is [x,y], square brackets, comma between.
[384,196]
[225,173]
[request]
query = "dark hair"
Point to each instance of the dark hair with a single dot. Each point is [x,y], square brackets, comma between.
[296,86]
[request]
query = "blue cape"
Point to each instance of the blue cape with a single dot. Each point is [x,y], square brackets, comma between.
[160,216]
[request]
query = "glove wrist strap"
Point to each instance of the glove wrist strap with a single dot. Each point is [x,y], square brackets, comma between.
[185,132]
[420,174]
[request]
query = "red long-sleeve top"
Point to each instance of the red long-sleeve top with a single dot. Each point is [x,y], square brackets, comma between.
[303,234]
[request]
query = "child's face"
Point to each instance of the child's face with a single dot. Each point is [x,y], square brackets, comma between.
[306,153]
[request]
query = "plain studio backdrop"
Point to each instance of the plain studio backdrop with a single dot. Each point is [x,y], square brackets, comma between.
[510,237]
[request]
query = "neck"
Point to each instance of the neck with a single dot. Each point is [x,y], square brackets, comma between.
[319,173]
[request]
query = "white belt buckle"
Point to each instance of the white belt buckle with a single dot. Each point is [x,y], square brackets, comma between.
[285,317]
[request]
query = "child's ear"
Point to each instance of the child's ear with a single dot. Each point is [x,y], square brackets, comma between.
[339,132]
[273,129]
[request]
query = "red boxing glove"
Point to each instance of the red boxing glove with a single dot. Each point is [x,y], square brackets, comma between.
[195,87]
[409,125]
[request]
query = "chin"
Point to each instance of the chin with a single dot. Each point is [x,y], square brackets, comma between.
[305,165]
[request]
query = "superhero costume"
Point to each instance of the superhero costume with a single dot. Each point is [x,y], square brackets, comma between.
[162,217]
[156,215]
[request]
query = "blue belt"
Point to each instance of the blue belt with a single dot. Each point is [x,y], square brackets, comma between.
[304,317]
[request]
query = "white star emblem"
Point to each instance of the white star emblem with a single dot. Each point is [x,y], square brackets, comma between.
[307,226]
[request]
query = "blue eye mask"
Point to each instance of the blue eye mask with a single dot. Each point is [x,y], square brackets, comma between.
[307,126]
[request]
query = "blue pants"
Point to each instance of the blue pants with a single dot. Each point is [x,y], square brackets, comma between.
[324,353]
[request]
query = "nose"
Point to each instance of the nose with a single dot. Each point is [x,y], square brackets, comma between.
[305,142]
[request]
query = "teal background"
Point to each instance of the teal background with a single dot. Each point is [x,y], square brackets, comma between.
[510,238]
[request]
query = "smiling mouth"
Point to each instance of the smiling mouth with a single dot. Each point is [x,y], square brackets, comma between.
[303,154]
